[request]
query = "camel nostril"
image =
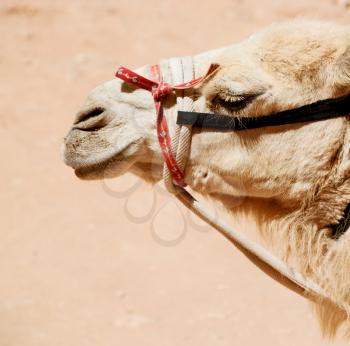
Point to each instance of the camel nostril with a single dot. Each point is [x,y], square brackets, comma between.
[91,113]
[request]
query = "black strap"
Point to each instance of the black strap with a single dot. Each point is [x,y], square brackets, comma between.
[321,110]
[343,225]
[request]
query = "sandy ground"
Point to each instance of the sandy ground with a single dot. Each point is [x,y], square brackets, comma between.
[85,263]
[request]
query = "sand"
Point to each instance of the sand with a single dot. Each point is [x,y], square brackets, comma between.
[89,263]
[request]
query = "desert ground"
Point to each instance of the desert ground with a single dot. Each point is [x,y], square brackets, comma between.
[117,262]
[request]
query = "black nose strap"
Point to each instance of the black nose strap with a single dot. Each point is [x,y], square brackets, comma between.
[321,110]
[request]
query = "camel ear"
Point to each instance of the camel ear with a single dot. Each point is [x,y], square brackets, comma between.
[342,76]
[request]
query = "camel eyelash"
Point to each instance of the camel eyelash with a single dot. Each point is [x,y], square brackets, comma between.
[231,102]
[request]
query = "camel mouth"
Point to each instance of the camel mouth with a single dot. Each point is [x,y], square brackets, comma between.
[104,169]
[101,165]
[92,171]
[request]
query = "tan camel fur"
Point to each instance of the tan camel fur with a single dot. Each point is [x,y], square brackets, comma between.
[294,180]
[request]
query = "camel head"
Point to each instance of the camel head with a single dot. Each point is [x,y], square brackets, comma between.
[283,67]
[300,170]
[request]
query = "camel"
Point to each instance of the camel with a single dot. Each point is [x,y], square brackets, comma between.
[294,180]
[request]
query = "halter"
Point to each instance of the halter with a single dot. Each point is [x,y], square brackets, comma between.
[175,153]
[160,89]
[320,110]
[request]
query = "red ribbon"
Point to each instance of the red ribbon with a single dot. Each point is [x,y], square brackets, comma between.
[160,90]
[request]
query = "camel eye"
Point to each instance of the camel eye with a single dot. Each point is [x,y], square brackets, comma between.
[231,102]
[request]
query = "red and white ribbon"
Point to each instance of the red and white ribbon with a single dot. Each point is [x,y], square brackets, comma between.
[160,90]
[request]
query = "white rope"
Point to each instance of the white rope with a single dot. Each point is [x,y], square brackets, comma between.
[182,70]
[257,254]
[185,133]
